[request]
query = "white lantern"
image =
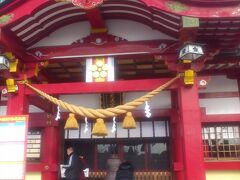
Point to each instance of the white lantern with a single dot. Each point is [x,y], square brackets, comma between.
[4,63]
[191,52]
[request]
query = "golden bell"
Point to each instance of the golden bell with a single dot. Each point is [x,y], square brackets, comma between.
[71,122]
[129,122]
[99,128]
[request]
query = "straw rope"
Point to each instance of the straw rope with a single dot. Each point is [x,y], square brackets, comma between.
[103,113]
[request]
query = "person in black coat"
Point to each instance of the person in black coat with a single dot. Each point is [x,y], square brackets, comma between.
[125,171]
[74,166]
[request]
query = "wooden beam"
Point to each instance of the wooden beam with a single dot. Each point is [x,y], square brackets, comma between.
[95,19]
[218,95]
[223,165]
[221,118]
[12,44]
[117,86]
[108,49]
[40,103]
[107,87]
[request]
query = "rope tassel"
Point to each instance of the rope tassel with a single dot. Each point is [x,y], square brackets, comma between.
[129,122]
[71,122]
[99,128]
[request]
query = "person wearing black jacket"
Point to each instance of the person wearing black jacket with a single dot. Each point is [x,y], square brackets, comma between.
[74,166]
[125,171]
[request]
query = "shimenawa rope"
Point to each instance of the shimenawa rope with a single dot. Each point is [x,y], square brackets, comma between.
[103,113]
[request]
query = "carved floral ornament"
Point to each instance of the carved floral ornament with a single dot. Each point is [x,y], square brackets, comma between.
[84,4]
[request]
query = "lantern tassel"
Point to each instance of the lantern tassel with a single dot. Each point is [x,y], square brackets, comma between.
[71,122]
[129,122]
[99,128]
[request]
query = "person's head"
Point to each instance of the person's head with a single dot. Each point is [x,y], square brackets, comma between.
[70,150]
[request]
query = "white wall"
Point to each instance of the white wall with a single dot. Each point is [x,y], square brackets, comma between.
[66,35]
[221,105]
[221,84]
[134,31]
[86,100]
[129,30]
[160,101]
[3,110]
[34,109]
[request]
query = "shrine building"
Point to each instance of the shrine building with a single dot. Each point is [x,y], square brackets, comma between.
[155,82]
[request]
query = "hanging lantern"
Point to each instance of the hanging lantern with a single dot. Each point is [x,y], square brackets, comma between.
[99,128]
[129,122]
[190,52]
[71,122]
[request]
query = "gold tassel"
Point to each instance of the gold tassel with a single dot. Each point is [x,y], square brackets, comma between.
[71,122]
[129,122]
[99,128]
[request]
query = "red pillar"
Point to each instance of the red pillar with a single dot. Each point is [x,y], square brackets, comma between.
[17,103]
[176,139]
[190,130]
[50,150]
[238,80]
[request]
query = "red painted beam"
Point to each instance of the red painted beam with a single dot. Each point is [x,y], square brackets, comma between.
[40,103]
[95,19]
[90,50]
[221,118]
[139,114]
[37,120]
[42,167]
[35,167]
[12,44]
[211,2]
[116,86]
[10,5]
[228,165]
[218,95]
[3,103]
[40,120]
[105,87]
